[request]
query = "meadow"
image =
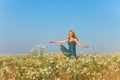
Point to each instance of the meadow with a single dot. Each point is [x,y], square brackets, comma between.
[36,65]
[48,67]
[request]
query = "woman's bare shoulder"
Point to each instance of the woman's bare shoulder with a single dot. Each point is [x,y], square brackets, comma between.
[75,40]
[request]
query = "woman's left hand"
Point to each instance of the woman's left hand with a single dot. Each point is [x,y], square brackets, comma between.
[86,46]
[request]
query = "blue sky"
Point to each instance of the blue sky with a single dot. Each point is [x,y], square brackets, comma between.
[27,23]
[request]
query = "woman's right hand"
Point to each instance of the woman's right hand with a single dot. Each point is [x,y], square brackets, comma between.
[52,41]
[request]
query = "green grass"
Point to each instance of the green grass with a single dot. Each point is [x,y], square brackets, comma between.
[49,67]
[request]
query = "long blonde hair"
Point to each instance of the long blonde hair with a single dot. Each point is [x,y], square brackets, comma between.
[74,35]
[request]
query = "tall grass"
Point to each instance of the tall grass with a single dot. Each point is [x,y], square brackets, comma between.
[49,67]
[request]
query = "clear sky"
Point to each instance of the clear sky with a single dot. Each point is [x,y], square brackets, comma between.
[27,23]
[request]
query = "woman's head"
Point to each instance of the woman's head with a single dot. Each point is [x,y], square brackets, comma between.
[72,35]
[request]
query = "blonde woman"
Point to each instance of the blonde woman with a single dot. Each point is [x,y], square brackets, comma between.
[72,41]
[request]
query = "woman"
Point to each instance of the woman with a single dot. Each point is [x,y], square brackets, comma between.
[72,41]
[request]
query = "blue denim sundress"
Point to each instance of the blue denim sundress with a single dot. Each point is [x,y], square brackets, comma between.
[71,51]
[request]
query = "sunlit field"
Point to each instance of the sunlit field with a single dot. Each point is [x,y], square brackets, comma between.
[36,65]
[49,67]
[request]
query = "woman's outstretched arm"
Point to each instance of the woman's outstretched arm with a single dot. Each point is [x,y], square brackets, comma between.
[80,44]
[59,42]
